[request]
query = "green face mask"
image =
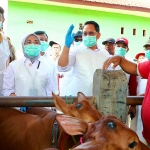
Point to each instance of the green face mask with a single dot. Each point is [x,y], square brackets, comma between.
[77,43]
[44,46]
[32,50]
[1,25]
[147,54]
[89,41]
[120,51]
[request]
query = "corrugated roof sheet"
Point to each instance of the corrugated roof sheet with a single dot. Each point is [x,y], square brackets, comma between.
[134,3]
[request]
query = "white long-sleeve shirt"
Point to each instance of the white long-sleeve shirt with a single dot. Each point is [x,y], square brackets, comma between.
[84,62]
[72,56]
[9,77]
[4,54]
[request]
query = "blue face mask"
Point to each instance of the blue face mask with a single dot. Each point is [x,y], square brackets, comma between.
[32,50]
[147,54]
[44,46]
[77,43]
[89,41]
[120,51]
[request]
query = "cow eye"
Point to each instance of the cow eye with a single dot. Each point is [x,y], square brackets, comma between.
[78,105]
[132,145]
[111,125]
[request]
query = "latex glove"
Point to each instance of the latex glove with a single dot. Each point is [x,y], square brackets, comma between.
[69,36]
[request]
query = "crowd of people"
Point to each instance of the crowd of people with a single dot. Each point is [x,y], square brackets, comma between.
[70,70]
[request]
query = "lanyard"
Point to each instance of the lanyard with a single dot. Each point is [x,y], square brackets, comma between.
[38,65]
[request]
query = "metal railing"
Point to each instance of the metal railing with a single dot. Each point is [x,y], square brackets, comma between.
[46,101]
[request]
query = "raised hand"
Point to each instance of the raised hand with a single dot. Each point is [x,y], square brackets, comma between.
[69,36]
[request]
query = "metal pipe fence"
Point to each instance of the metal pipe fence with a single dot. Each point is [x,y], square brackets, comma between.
[18,101]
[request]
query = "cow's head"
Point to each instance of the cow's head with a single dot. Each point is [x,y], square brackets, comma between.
[81,109]
[108,133]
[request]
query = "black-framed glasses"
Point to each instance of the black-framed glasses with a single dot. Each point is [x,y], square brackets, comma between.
[90,33]
[77,40]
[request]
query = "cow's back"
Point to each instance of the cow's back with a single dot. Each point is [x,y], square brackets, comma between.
[64,140]
[22,131]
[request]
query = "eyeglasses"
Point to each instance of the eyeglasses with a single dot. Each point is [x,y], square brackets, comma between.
[77,40]
[90,33]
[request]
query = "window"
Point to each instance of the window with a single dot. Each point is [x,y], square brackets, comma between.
[80,26]
[122,30]
[144,32]
[134,31]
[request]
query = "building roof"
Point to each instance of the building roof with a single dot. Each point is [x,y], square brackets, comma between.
[134,3]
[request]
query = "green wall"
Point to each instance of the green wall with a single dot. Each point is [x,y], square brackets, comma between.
[55,20]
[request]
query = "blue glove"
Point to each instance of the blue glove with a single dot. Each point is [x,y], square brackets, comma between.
[69,36]
[23,109]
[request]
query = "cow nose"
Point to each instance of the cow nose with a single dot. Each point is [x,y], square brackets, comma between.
[111,125]
[132,145]
[79,105]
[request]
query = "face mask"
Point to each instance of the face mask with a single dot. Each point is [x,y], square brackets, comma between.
[89,41]
[32,50]
[1,25]
[147,54]
[44,46]
[120,51]
[77,43]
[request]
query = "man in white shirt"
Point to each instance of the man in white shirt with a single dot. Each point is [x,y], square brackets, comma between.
[44,46]
[84,58]
[44,42]
[109,45]
[55,50]
[4,49]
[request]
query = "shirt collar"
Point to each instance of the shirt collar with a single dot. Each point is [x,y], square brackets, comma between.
[28,60]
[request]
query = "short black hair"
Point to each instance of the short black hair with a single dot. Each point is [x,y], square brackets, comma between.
[97,28]
[51,43]
[2,11]
[40,32]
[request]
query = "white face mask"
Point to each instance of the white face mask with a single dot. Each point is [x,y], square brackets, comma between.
[1,25]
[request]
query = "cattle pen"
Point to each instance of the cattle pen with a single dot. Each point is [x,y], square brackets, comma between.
[46,101]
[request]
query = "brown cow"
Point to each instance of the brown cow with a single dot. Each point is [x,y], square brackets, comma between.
[81,109]
[23,131]
[108,133]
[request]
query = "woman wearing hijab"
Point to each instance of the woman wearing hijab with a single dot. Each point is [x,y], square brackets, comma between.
[31,75]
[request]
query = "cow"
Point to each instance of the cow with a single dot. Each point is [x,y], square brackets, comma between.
[108,133]
[39,129]
[81,109]
[24,131]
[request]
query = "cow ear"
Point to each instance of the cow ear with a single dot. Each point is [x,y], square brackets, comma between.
[81,97]
[60,104]
[72,125]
